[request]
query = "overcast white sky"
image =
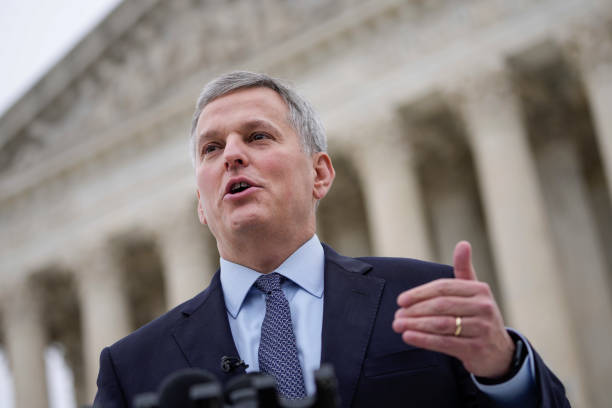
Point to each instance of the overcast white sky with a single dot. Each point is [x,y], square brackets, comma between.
[34,34]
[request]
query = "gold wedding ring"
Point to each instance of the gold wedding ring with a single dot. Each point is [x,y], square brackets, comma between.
[457,326]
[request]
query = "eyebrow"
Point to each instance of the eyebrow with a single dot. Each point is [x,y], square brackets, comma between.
[209,134]
[258,123]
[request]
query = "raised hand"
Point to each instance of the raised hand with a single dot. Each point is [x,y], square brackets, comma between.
[458,317]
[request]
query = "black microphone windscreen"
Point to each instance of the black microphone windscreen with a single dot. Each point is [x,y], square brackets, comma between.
[174,390]
[327,387]
[146,400]
[257,387]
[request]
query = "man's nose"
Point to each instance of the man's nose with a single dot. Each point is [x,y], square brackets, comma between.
[235,154]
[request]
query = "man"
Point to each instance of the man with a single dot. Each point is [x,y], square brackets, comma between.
[284,303]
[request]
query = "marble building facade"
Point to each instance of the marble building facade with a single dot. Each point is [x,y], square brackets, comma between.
[482,120]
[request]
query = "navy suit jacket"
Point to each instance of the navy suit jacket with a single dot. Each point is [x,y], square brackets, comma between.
[374,367]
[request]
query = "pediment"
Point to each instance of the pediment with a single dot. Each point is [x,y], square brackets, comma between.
[139,56]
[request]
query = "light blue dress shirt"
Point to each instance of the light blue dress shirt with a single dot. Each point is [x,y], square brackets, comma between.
[246,306]
[304,269]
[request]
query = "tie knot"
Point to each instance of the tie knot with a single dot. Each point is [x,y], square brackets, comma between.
[268,283]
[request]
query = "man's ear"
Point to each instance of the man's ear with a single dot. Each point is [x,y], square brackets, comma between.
[201,215]
[324,174]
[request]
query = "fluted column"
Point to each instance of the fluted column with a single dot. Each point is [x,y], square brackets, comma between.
[105,314]
[455,216]
[189,261]
[582,262]
[594,57]
[25,342]
[392,195]
[527,264]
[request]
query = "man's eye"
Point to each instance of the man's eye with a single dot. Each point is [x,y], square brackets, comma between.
[259,136]
[209,149]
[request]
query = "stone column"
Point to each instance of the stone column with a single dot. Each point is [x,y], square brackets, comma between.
[25,342]
[594,58]
[447,182]
[391,190]
[455,216]
[189,259]
[582,262]
[521,241]
[105,314]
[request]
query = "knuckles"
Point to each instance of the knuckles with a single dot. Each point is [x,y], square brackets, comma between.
[487,308]
[441,325]
[444,287]
[398,326]
[476,347]
[442,305]
[483,328]
[483,288]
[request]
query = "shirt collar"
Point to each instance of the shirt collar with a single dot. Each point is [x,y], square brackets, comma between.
[304,267]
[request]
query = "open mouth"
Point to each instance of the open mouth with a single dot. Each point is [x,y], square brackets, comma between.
[239,187]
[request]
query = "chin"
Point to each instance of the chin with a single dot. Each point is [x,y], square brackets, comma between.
[246,222]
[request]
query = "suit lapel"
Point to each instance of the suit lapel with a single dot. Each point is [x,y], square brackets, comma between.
[204,335]
[350,306]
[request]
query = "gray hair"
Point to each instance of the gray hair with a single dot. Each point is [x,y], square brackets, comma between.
[302,116]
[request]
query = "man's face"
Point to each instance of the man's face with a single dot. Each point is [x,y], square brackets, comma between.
[251,169]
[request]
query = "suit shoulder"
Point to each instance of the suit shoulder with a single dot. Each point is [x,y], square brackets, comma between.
[164,324]
[414,270]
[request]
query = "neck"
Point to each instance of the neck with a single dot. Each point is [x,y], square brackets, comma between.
[264,251]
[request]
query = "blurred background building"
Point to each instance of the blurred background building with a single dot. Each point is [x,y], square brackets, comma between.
[482,120]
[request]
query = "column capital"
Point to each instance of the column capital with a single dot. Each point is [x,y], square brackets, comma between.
[12,298]
[591,45]
[490,83]
[386,128]
[388,140]
[437,139]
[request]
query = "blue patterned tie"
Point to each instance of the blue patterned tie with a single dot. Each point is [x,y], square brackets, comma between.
[278,355]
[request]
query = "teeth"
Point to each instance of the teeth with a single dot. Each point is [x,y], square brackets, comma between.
[238,186]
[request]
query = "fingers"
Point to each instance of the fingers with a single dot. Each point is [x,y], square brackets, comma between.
[439,325]
[462,261]
[449,306]
[442,287]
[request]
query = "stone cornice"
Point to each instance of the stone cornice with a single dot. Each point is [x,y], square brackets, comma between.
[77,61]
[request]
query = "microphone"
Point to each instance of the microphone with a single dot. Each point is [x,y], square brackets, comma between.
[209,395]
[146,400]
[174,390]
[229,364]
[326,395]
[327,387]
[252,390]
[196,388]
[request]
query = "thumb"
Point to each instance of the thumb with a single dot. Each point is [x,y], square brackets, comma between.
[462,261]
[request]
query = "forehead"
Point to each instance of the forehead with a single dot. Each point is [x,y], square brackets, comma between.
[243,104]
